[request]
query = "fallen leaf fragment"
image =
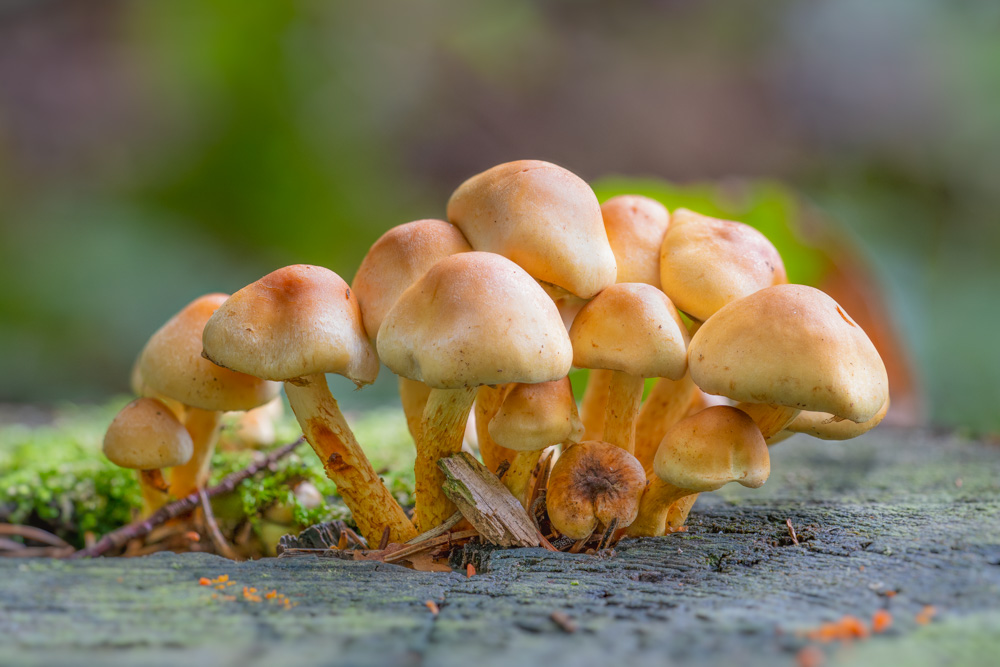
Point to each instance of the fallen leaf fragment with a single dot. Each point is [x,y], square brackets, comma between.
[470,570]
[565,623]
[432,605]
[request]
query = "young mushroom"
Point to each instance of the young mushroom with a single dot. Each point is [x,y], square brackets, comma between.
[532,418]
[593,484]
[146,436]
[702,453]
[788,348]
[825,426]
[171,365]
[294,325]
[473,319]
[634,331]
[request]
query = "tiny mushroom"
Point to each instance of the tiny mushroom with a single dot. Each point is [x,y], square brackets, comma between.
[593,483]
[147,436]
[474,318]
[702,453]
[295,325]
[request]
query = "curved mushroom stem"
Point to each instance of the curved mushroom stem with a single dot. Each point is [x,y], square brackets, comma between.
[154,490]
[666,405]
[442,431]
[372,505]
[518,477]
[654,506]
[413,395]
[594,403]
[203,427]
[770,419]
[624,397]
[678,513]
[488,402]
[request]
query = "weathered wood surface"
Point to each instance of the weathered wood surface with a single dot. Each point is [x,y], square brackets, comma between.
[894,511]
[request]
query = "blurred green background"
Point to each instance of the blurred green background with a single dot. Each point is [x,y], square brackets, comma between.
[153,151]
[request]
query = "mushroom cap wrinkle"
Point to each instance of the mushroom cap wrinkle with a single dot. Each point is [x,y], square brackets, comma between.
[172,364]
[145,435]
[712,448]
[632,328]
[297,321]
[790,345]
[544,218]
[635,226]
[475,318]
[399,257]
[706,263]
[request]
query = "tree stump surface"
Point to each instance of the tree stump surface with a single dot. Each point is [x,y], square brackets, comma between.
[896,520]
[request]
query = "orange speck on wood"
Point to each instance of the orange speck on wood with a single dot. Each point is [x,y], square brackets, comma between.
[926,614]
[470,570]
[204,581]
[432,605]
[810,656]
[881,621]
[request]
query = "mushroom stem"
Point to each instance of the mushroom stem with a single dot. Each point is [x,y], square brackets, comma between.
[518,477]
[203,427]
[594,403]
[654,507]
[770,419]
[488,402]
[442,431]
[373,507]
[678,513]
[154,490]
[624,397]
[413,394]
[666,405]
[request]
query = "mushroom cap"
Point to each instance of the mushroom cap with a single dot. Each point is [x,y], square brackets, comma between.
[712,448]
[633,328]
[535,416]
[172,364]
[299,320]
[594,482]
[544,218]
[706,263]
[825,426]
[146,435]
[475,318]
[790,345]
[399,257]
[635,227]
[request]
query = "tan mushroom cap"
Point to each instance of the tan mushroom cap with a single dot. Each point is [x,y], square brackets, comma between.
[712,448]
[475,318]
[635,227]
[299,320]
[593,482]
[399,257]
[146,435]
[790,345]
[172,364]
[825,426]
[544,218]
[633,328]
[535,416]
[706,263]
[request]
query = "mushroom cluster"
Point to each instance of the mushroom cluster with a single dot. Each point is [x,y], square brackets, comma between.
[483,315]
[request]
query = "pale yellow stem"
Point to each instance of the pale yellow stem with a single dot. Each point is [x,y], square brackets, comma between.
[413,395]
[203,427]
[624,397]
[594,403]
[372,505]
[678,513]
[666,405]
[518,477]
[770,419]
[488,402]
[154,491]
[654,506]
[442,432]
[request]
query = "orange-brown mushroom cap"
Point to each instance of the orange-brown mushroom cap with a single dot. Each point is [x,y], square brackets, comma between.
[635,227]
[535,416]
[146,435]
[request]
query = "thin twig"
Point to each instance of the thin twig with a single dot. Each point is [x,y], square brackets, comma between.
[218,541]
[429,544]
[32,533]
[791,531]
[142,527]
[439,530]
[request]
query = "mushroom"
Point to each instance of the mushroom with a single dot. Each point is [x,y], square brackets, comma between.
[393,263]
[633,330]
[254,428]
[473,319]
[788,348]
[826,426]
[146,436]
[741,261]
[635,226]
[532,418]
[593,483]
[488,402]
[294,325]
[702,453]
[171,364]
